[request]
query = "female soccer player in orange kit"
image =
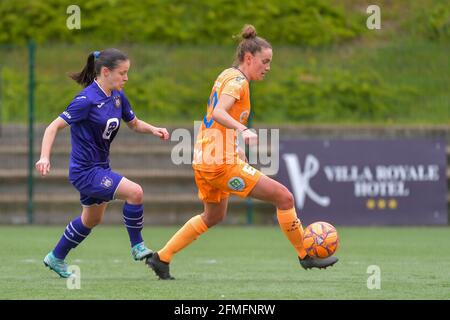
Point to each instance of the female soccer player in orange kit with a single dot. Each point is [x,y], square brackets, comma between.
[220,166]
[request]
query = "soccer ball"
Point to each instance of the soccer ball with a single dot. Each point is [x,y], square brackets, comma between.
[320,240]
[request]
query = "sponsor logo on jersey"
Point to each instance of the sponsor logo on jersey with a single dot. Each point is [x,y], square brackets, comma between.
[100,105]
[80,97]
[236,184]
[111,125]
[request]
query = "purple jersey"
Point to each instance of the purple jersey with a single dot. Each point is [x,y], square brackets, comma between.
[94,120]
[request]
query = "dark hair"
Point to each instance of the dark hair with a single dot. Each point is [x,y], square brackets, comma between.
[109,58]
[249,43]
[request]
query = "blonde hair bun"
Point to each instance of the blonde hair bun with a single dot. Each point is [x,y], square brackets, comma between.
[248,32]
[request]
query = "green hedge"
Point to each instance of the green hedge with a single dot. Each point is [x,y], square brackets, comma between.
[433,22]
[306,22]
[403,82]
[334,94]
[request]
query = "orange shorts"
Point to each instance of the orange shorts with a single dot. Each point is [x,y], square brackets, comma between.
[238,179]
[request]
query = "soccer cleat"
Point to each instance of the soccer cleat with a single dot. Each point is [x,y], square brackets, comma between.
[57,265]
[161,268]
[140,252]
[307,262]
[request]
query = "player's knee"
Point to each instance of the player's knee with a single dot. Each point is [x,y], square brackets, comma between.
[136,195]
[91,221]
[285,199]
[94,221]
[219,218]
[213,219]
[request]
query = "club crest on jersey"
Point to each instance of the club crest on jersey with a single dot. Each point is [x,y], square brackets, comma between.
[117,101]
[236,184]
[107,182]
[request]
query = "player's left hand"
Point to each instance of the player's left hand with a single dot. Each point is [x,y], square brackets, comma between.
[161,132]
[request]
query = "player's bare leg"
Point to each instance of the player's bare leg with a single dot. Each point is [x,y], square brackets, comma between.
[214,212]
[93,215]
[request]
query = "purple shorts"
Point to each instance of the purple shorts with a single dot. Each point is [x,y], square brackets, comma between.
[96,185]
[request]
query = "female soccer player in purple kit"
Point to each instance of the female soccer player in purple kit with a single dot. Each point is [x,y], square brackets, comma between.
[94,117]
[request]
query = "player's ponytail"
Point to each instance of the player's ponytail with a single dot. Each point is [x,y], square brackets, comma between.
[250,42]
[86,76]
[109,58]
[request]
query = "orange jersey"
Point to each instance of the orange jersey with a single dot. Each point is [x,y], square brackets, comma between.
[216,145]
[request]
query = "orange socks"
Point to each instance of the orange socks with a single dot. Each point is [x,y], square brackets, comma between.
[292,228]
[289,224]
[187,234]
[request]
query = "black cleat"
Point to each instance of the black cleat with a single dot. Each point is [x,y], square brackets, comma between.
[307,262]
[161,268]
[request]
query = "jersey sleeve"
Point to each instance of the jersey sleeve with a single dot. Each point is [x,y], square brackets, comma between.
[234,87]
[77,110]
[127,112]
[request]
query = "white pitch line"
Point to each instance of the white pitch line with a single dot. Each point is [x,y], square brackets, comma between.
[211,261]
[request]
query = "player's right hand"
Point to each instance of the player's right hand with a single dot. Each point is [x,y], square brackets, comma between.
[43,166]
[250,137]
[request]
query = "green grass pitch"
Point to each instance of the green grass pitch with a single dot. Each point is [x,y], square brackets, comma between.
[230,263]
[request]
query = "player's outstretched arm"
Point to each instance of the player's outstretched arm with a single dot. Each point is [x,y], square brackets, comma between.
[144,127]
[43,165]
